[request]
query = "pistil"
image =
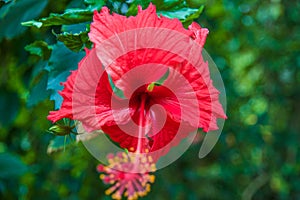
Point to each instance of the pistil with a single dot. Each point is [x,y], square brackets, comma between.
[141,122]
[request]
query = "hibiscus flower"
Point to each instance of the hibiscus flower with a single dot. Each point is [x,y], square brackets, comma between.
[144,83]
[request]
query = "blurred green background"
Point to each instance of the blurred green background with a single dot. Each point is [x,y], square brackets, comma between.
[255,45]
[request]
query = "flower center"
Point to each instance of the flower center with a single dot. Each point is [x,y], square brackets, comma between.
[141,101]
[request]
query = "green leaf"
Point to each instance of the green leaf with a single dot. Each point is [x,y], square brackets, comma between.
[54,85]
[4,7]
[196,3]
[170,8]
[38,92]
[183,13]
[75,28]
[189,19]
[132,10]
[11,166]
[60,143]
[169,4]
[75,42]
[9,107]
[70,16]
[15,12]
[61,62]
[95,4]
[6,1]
[39,48]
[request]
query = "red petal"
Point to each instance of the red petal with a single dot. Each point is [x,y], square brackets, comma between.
[159,142]
[170,135]
[106,25]
[199,34]
[125,140]
[193,92]
[207,95]
[88,97]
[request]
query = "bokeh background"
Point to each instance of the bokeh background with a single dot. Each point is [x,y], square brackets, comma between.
[256,46]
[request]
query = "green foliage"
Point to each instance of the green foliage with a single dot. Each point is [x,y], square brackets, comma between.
[12,13]
[169,8]
[95,4]
[75,42]
[60,143]
[9,104]
[11,166]
[70,16]
[195,14]
[39,48]
[186,15]
[38,92]
[61,62]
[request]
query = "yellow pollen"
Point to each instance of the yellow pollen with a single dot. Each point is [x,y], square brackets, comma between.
[102,176]
[135,195]
[108,191]
[151,178]
[153,167]
[131,149]
[151,87]
[148,188]
[142,193]
[116,196]
[116,159]
[144,159]
[150,159]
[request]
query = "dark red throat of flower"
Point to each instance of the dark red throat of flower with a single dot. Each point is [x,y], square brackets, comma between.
[146,116]
[141,100]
